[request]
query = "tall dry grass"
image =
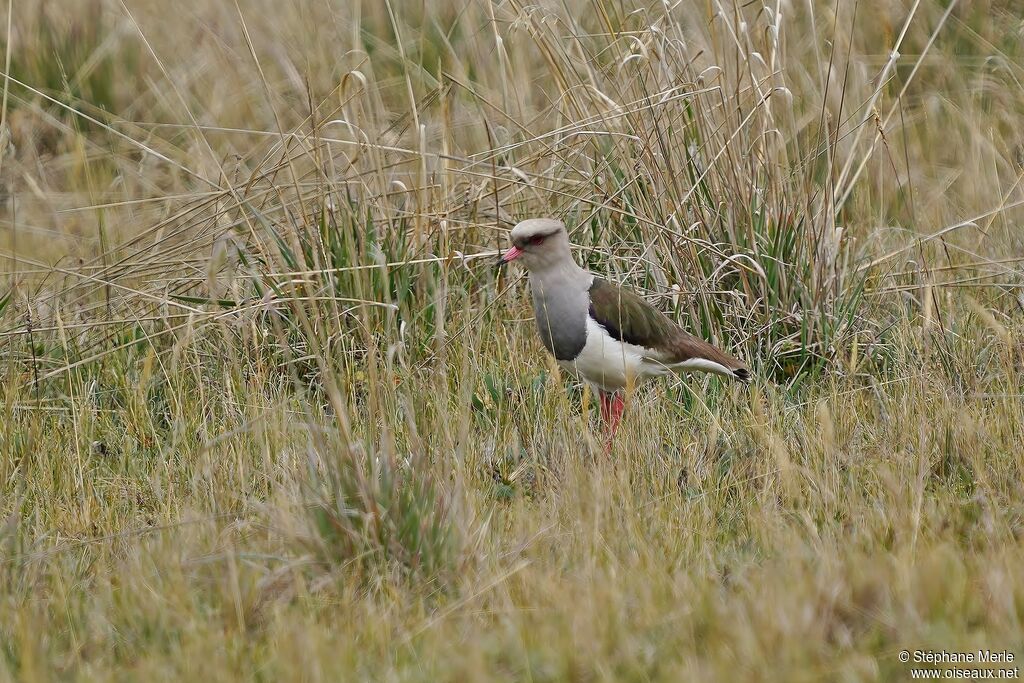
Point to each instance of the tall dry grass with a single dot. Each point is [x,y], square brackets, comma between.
[269,412]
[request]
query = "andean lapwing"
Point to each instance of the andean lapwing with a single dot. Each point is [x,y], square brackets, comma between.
[603,333]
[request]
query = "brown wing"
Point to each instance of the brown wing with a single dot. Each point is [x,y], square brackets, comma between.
[630,319]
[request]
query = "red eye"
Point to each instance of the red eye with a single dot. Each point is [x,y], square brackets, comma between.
[537,239]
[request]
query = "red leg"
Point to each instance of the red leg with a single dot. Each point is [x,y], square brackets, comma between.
[618,406]
[606,406]
[612,406]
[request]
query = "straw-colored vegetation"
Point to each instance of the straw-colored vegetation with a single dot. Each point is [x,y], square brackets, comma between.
[267,411]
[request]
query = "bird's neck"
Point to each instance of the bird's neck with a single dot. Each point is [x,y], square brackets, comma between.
[560,303]
[564,276]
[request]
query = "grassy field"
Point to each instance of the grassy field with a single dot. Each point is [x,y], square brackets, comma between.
[267,410]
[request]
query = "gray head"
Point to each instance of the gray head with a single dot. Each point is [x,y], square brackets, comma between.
[540,243]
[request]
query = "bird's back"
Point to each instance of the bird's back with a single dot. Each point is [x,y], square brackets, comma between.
[630,319]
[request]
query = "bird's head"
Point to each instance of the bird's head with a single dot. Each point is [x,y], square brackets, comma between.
[539,243]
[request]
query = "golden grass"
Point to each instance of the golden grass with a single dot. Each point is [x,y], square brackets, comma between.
[268,412]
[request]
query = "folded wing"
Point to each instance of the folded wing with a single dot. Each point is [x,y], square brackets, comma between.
[628,318]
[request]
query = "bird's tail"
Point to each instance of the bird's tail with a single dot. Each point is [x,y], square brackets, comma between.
[694,354]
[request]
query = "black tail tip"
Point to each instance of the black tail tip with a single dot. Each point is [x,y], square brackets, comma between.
[742,374]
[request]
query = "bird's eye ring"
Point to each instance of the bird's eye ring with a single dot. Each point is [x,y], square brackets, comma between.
[537,239]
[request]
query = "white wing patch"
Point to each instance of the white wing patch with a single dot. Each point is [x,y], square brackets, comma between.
[609,364]
[704,365]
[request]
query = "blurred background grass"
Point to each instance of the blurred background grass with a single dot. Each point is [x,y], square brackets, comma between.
[268,412]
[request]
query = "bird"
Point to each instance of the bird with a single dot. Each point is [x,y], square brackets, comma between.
[605,334]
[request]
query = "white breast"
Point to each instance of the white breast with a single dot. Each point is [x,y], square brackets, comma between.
[609,363]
